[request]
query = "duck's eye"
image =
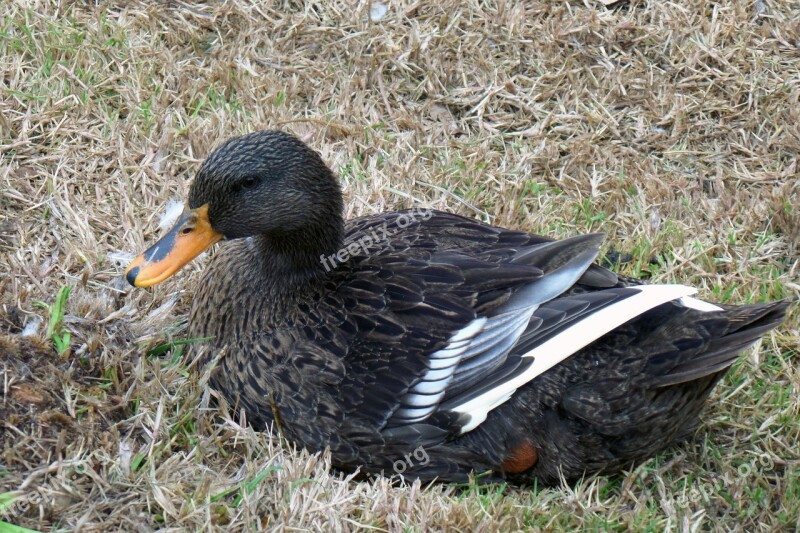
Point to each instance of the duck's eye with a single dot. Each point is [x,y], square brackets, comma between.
[249,182]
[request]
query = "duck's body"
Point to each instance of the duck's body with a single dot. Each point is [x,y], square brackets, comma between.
[430,345]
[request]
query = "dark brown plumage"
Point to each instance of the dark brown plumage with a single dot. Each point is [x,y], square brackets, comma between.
[427,323]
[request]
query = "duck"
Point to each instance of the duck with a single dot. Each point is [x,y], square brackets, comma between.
[426,345]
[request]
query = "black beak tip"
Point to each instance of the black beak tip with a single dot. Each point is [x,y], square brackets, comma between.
[131,275]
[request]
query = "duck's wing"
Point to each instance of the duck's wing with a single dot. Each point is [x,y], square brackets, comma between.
[450,319]
[557,330]
[450,330]
[400,314]
[479,351]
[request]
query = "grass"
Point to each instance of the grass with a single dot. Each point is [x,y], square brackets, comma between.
[670,126]
[55,327]
[7,501]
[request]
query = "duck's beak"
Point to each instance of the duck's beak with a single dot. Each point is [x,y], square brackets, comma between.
[190,237]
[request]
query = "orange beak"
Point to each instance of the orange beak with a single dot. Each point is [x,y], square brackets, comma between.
[191,236]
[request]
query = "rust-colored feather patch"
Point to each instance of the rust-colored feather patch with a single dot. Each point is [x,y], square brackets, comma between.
[521,458]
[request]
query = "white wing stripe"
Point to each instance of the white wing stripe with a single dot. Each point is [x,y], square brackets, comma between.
[423,400]
[569,341]
[438,375]
[427,388]
[436,364]
[698,305]
[425,395]
[468,331]
[483,342]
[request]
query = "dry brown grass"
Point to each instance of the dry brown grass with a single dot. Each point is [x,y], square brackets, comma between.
[672,126]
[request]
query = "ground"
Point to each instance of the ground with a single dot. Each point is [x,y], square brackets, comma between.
[673,127]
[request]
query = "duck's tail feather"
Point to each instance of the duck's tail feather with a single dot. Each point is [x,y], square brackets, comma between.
[742,327]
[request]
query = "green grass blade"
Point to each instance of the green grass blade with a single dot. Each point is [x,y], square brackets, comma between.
[158,350]
[5,527]
[7,499]
[57,311]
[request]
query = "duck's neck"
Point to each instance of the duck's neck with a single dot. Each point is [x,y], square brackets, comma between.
[299,256]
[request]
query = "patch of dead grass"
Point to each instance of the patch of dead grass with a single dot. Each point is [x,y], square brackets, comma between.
[671,126]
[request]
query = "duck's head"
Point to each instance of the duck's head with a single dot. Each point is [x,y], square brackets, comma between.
[267,184]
